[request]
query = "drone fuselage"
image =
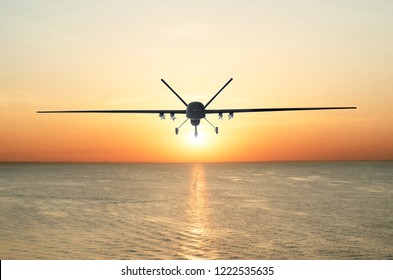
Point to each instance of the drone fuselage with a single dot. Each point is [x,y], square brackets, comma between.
[195,112]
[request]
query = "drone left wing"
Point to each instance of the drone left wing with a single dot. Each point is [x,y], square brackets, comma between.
[120,111]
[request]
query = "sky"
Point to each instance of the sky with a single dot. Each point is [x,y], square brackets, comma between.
[81,54]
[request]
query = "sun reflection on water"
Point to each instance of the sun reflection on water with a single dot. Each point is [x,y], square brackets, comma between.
[198,218]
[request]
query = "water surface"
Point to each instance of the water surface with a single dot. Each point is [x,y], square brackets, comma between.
[197,211]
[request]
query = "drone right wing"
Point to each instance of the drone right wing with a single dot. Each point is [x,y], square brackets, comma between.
[218,111]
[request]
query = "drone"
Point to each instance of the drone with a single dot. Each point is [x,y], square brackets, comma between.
[197,111]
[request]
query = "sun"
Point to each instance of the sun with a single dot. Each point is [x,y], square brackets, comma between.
[197,141]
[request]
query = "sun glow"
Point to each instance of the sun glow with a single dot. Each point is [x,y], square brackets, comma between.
[200,140]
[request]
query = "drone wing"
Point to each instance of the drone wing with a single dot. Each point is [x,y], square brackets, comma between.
[119,111]
[231,111]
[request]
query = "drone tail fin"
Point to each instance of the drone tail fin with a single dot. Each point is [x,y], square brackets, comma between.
[210,101]
[178,96]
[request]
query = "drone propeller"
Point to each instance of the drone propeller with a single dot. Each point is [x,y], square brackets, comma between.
[207,104]
[162,80]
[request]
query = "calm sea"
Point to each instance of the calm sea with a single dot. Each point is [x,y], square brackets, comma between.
[197,211]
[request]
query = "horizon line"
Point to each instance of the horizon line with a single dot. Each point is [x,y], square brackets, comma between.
[189,162]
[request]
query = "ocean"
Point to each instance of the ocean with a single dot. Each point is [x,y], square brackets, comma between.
[296,210]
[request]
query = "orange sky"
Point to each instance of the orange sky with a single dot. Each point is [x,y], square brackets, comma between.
[112,55]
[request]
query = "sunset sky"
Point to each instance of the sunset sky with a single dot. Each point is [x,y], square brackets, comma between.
[78,54]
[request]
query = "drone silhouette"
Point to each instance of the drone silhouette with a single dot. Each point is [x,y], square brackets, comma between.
[196,111]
